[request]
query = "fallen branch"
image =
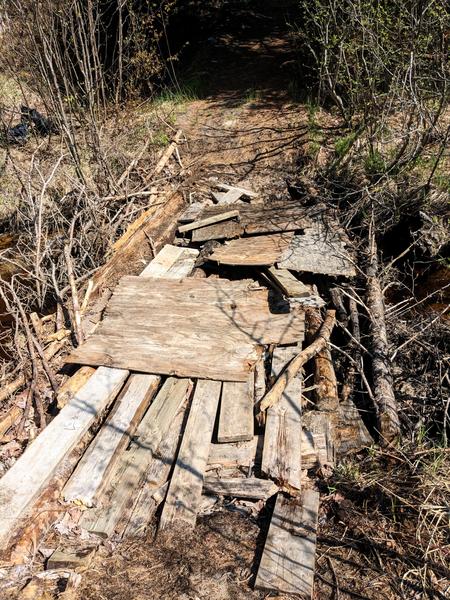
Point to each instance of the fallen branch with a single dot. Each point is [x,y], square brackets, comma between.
[386,404]
[274,394]
[75,302]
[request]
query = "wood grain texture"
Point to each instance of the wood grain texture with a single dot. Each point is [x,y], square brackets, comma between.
[281,216]
[236,411]
[160,425]
[86,481]
[225,216]
[288,561]
[216,327]
[26,479]
[258,250]
[352,434]
[235,454]
[240,487]
[322,248]
[282,450]
[185,489]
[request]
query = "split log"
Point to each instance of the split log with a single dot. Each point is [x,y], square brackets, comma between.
[386,404]
[323,336]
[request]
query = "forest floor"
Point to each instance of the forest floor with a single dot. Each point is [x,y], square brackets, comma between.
[379,509]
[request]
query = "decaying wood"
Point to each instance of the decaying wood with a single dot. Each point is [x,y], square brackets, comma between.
[275,393]
[281,216]
[326,392]
[386,404]
[244,191]
[322,248]
[75,303]
[353,435]
[9,389]
[70,387]
[185,489]
[288,284]
[288,560]
[162,421]
[229,197]
[236,454]
[216,328]
[26,479]
[10,419]
[281,458]
[69,559]
[231,214]
[167,154]
[85,483]
[240,487]
[319,434]
[148,500]
[236,411]
[261,250]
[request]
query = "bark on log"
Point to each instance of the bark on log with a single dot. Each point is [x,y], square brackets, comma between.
[275,393]
[386,404]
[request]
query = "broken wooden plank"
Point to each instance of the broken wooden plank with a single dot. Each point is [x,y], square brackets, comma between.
[236,411]
[192,212]
[240,487]
[229,197]
[134,330]
[162,421]
[288,561]
[69,559]
[352,434]
[232,214]
[25,480]
[186,485]
[244,191]
[259,250]
[171,262]
[147,502]
[85,483]
[289,285]
[235,454]
[70,387]
[318,429]
[322,248]
[281,459]
[226,230]
[281,216]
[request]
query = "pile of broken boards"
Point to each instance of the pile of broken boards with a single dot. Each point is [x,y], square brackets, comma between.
[183,355]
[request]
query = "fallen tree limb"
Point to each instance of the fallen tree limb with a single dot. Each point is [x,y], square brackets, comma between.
[274,394]
[386,404]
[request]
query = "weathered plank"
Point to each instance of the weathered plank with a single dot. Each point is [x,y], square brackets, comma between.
[282,439]
[147,502]
[289,285]
[226,230]
[162,421]
[191,213]
[258,250]
[229,197]
[281,216]
[85,483]
[141,312]
[186,485]
[70,387]
[236,411]
[171,262]
[319,431]
[231,214]
[235,454]
[26,479]
[240,487]
[322,248]
[243,191]
[288,561]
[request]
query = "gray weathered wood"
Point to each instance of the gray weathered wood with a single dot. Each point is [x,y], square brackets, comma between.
[215,328]
[322,248]
[26,479]
[288,561]
[231,214]
[185,489]
[282,439]
[319,431]
[235,454]
[240,487]
[86,481]
[161,424]
[171,262]
[243,191]
[259,250]
[353,435]
[288,283]
[236,411]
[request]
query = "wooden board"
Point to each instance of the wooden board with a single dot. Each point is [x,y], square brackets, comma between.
[235,454]
[240,487]
[26,479]
[172,262]
[281,216]
[353,435]
[258,250]
[282,437]
[221,231]
[288,284]
[319,431]
[162,421]
[86,481]
[288,561]
[243,191]
[215,328]
[236,411]
[225,216]
[322,248]
[185,489]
